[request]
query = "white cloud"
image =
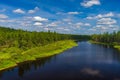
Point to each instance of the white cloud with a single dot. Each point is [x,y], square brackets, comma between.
[33,11]
[4,20]
[38,18]
[89,3]
[38,24]
[25,24]
[52,24]
[110,14]
[79,24]
[3,16]
[73,13]
[89,17]
[102,27]
[87,24]
[105,28]
[106,21]
[20,11]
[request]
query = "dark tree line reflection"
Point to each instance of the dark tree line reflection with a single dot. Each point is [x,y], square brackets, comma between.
[30,65]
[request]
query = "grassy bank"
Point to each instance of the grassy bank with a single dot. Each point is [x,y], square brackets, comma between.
[115,45]
[94,42]
[10,57]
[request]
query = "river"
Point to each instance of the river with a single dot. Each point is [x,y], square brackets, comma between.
[83,62]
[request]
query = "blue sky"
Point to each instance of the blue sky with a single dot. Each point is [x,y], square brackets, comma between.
[63,16]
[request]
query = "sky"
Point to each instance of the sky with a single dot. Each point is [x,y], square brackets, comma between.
[62,16]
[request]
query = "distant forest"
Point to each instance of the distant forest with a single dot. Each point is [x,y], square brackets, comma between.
[26,39]
[112,38]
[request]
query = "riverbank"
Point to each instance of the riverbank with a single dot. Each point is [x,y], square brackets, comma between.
[114,45]
[117,47]
[94,42]
[10,57]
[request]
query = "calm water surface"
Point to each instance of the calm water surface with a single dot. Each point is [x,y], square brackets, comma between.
[84,62]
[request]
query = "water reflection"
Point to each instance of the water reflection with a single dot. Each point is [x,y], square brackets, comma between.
[103,54]
[28,66]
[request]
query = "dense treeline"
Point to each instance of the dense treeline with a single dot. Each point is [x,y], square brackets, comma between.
[25,39]
[81,37]
[111,38]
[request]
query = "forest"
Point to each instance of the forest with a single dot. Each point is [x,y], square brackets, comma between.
[107,39]
[26,39]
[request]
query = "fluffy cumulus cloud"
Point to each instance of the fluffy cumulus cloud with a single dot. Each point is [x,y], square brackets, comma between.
[17,23]
[33,11]
[89,3]
[107,21]
[104,22]
[39,19]
[3,16]
[20,11]
[37,24]
[87,24]
[99,28]
[110,14]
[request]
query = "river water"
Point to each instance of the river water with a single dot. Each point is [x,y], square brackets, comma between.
[83,62]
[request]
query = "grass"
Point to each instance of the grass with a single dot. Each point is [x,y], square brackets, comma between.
[10,57]
[117,47]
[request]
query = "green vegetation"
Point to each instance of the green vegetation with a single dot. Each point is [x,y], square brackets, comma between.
[18,46]
[26,40]
[117,47]
[94,42]
[112,39]
[12,56]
